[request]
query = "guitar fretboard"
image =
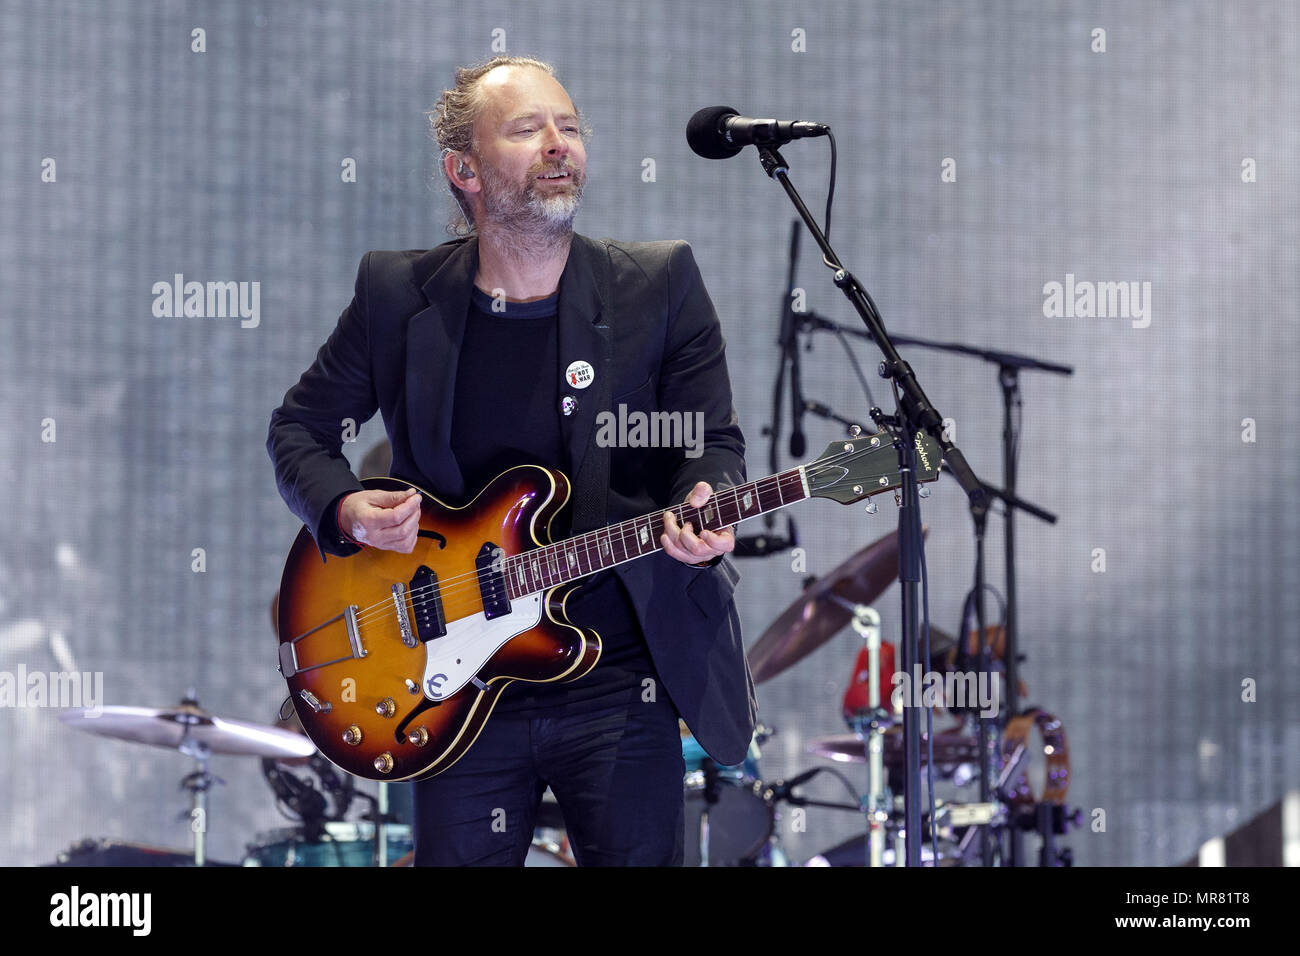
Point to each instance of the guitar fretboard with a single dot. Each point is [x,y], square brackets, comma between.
[555,564]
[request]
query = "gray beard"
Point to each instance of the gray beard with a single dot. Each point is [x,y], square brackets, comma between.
[523,224]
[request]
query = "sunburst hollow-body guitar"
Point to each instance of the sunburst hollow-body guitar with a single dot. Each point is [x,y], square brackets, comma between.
[394,661]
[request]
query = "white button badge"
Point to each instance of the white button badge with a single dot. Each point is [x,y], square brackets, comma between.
[579,374]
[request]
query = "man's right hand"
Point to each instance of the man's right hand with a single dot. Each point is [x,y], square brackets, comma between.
[382,519]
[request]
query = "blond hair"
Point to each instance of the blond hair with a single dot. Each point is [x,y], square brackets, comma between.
[452,123]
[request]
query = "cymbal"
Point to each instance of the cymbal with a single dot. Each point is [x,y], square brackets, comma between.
[950,747]
[188,724]
[816,617]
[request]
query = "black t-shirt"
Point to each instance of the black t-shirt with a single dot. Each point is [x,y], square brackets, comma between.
[507,413]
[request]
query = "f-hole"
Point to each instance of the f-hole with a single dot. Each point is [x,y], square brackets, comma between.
[442,542]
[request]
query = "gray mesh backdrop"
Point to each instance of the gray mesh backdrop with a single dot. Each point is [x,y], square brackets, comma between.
[132,440]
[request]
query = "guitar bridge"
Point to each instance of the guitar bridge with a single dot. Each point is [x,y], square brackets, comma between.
[289,665]
[403,620]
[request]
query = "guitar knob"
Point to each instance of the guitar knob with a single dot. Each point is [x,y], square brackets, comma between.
[386,707]
[384,762]
[419,736]
[352,735]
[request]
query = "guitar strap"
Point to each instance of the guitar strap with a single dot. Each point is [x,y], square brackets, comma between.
[591,484]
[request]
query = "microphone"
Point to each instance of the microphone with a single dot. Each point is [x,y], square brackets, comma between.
[784,789]
[798,444]
[718,132]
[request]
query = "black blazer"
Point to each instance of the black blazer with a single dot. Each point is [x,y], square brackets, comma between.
[638,312]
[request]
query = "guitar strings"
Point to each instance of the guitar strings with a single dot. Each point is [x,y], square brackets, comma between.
[471,582]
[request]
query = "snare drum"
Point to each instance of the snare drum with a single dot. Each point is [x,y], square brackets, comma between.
[725,806]
[730,814]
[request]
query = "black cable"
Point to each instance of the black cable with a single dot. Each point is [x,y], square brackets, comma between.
[857,369]
[857,797]
[830,193]
[929,713]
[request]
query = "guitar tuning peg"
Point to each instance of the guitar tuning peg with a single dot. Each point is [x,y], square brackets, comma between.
[923,491]
[898,499]
[872,507]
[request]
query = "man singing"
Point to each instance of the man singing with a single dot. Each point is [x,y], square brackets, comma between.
[502,348]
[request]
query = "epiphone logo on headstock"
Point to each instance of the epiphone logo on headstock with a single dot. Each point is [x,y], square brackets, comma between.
[920,450]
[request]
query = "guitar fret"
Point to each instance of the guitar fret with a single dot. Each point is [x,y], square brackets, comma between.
[585,553]
[593,551]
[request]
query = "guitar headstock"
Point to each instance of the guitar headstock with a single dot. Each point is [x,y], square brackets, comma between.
[867,465]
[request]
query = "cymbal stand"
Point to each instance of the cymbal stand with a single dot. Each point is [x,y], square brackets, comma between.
[870,728]
[198,784]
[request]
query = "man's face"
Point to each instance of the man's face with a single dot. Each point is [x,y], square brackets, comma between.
[531,162]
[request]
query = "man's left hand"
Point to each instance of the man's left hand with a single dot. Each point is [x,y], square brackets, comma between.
[682,543]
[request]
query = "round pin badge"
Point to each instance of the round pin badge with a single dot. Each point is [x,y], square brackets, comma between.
[579,374]
[568,404]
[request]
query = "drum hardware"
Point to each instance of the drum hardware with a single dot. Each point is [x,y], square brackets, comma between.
[815,617]
[954,815]
[381,832]
[196,733]
[870,726]
[853,852]
[1044,812]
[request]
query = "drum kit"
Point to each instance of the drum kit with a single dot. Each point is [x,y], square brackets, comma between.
[732,813]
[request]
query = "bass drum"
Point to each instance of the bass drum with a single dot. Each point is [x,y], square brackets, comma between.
[341,844]
[541,853]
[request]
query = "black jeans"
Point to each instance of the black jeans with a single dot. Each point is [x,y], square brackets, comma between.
[615,767]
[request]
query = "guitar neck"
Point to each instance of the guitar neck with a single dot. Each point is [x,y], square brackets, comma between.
[584,554]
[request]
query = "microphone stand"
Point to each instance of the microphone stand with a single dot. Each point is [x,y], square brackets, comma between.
[914,414]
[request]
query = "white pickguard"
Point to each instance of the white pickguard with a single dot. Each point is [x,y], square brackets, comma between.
[471,641]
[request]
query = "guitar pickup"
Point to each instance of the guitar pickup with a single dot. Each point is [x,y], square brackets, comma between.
[426,602]
[490,563]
